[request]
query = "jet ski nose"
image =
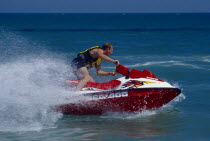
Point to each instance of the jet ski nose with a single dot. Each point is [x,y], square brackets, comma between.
[178,91]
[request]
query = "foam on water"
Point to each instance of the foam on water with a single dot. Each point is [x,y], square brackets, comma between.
[28,89]
[145,113]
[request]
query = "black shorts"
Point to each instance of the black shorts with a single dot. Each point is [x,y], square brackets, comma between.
[79,62]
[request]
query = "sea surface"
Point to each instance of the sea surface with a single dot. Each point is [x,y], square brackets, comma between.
[35,55]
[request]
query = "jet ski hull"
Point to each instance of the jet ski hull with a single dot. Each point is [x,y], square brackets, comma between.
[128,100]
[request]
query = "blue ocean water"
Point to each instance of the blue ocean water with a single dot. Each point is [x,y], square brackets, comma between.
[36,50]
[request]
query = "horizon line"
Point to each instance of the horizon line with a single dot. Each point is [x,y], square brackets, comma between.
[105,13]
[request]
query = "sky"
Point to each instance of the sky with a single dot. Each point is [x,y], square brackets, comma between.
[104,6]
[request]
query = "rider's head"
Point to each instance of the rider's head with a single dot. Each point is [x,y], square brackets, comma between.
[108,48]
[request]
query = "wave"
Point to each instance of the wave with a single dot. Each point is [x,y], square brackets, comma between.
[155,63]
[110,30]
[168,64]
[206,59]
[164,64]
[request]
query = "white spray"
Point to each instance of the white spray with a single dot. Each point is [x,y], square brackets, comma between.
[28,90]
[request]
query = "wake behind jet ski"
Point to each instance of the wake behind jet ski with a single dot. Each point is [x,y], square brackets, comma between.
[136,91]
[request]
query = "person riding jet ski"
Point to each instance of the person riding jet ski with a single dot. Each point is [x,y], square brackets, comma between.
[89,58]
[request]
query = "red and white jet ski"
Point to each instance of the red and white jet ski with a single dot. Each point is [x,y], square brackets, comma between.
[137,91]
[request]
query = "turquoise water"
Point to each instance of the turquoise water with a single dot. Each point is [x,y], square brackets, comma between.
[36,50]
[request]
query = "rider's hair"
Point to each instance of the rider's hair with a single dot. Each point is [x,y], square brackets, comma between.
[107,46]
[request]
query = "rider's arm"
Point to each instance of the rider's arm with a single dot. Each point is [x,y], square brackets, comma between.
[103,73]
[106,58]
